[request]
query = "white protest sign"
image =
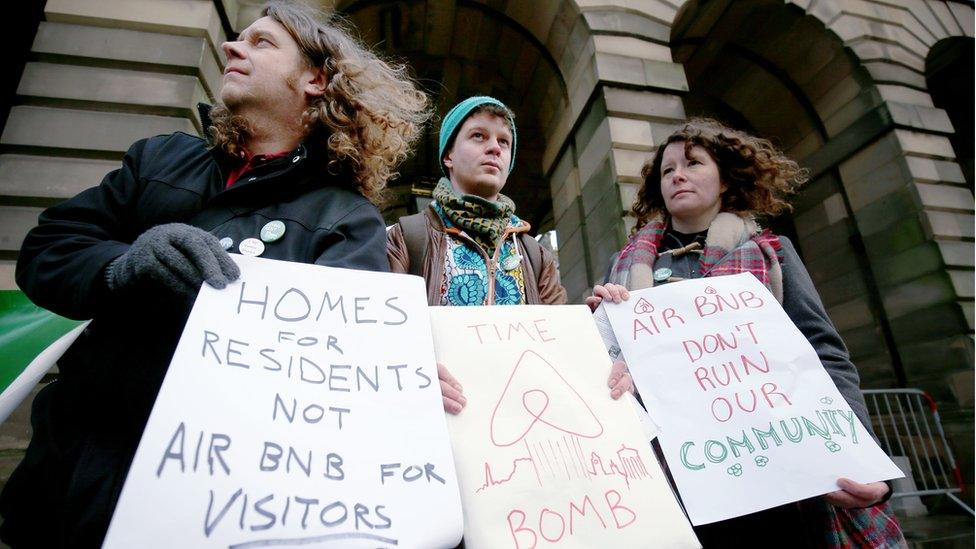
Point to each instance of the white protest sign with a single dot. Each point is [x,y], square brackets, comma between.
[301,407]
[545,457]
[749,417]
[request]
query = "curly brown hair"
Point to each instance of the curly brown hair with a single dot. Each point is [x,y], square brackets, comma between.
[757,175]
[370,115]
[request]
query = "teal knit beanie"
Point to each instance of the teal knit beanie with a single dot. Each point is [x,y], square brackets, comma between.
[456,116]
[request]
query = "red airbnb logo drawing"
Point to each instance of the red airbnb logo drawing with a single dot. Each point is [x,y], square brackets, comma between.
[643,306]
[536,393]
[523,404]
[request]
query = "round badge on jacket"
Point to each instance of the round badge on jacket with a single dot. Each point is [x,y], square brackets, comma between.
[226,243]
[252,247]
[272,231]
[662,274]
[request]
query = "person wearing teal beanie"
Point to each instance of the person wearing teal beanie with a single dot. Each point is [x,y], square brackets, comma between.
[469,245]
[457,115]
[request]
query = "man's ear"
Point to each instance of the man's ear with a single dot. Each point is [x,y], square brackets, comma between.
[448,162]
[315,82]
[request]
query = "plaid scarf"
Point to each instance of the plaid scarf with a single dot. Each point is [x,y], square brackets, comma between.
[733,245]
[870,528]
[482,220]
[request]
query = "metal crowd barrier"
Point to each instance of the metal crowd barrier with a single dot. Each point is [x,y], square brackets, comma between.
[907,423]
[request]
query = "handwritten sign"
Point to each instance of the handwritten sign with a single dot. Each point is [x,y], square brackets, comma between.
[749,417]
[545,457]
[301,407]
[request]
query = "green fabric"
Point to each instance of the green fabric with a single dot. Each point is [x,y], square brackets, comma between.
[483,220]
[25,331]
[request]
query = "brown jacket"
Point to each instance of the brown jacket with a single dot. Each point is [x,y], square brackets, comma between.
[546,291]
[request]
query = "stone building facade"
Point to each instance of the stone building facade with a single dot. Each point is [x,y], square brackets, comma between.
[875,98]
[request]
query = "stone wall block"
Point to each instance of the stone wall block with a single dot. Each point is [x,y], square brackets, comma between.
[920,117]
[842,288]
[172,92]
[561,171]
[628,23]
[187,17]
[620,69]
[948,225]
[956,253]
[85,130]
[903,266]
[884,215]
[850,113]
[863,343]
[930,170]
[884,72]
[626,133]
[963,15]
[598,186]
[61,39]
[823,242]
[7,268]
[567,194]
[865,163]
[50,177]
[646,104]
[837,261]
[944,14]
[562,27]
[933,321]
[963,282]
[536,17]
[662,74]
[190,55]
[632,47]
[887,178]
[852,314]
[601,249]
[628,193]
[918,293]
[902,94]
[944,196]
[924,144]
[628,164]
[868,49]
[15,222]
[593,152]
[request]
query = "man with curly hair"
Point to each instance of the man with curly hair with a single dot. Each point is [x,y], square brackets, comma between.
[310,126]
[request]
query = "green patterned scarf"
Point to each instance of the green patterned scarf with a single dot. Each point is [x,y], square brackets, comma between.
[483,220]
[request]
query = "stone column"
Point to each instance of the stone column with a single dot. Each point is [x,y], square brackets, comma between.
[105,74]
[624,98]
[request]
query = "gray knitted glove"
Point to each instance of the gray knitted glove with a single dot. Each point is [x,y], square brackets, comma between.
[175,256]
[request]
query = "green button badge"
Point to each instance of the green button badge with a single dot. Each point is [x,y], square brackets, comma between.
[272,231]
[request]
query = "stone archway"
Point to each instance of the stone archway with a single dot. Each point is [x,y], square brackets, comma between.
[771,69]
[464,48]
[884,223]
[576,76]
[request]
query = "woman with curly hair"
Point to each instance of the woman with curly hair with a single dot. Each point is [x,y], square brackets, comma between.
[696,217]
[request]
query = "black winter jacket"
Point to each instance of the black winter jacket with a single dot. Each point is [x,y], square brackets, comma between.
[88,423]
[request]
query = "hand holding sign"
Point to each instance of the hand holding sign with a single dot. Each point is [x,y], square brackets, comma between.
[544,455]
[743,400]
[281,421]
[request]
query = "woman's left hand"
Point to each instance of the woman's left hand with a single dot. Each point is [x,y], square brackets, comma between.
[620,380]
[854,495]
